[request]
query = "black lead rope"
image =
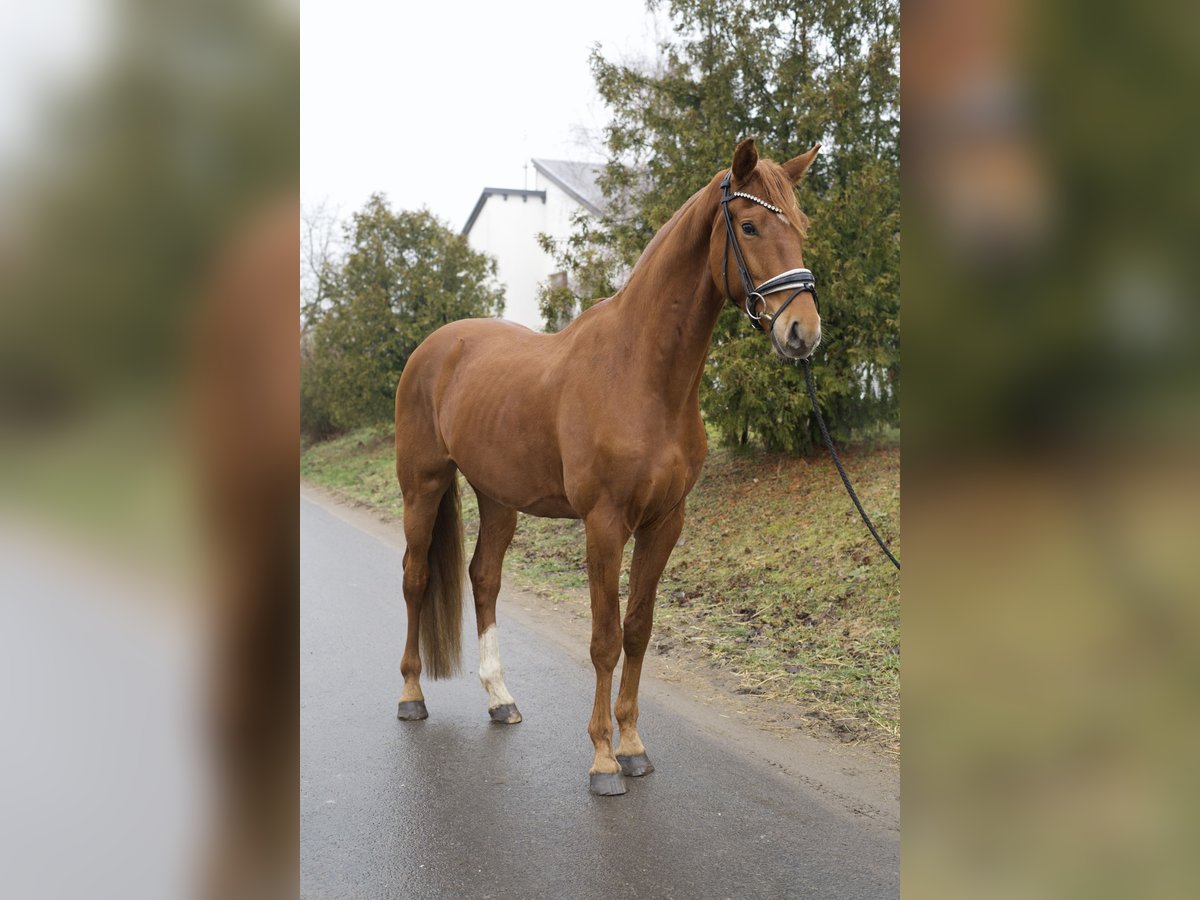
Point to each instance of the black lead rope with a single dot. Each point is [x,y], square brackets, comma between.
[812,394]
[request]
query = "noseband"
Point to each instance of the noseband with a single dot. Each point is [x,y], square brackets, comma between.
[800,279]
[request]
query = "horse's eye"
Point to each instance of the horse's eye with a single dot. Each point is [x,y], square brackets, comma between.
[748,228]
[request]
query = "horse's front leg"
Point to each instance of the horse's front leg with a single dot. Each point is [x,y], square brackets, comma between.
[650,555]
[606,537]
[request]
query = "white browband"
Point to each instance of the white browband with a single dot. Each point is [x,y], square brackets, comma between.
[759,201]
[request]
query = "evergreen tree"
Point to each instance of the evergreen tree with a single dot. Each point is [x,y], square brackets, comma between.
[792,74]
[404,275]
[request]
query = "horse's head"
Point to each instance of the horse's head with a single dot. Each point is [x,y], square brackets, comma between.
[756,251]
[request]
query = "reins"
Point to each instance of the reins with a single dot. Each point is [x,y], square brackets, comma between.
[802,280]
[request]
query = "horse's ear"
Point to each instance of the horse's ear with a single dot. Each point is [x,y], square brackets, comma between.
[795,168]
[745,158]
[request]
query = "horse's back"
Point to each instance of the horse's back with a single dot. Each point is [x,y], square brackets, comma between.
[436,359]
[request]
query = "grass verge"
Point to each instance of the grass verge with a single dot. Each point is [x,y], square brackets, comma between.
[775,580]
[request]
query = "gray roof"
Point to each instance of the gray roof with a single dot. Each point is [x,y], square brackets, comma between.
[578,179]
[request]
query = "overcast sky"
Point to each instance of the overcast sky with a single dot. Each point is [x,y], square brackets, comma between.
[431,102]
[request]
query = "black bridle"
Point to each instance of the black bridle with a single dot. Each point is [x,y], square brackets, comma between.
[800,279]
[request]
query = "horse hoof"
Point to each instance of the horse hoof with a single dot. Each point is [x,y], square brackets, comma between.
[606,784]
[508,714]
[412,710]
[635,766]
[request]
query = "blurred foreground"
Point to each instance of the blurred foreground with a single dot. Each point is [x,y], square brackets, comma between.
[148,358]
[1050,422]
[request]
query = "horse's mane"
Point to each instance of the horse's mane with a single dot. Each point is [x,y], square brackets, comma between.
[776,188]
[661,234]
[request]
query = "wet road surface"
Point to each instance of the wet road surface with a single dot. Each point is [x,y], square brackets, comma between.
[458,807]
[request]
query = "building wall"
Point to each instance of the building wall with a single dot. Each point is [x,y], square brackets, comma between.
[507,228]
[560,206]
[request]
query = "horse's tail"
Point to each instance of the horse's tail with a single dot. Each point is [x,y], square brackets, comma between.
[442,608]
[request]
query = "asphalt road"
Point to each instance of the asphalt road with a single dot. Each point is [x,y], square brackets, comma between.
[458,807]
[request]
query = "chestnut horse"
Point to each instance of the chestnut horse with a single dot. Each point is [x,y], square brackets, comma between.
[600,422]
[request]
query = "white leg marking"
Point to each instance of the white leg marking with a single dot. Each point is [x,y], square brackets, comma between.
[491,672]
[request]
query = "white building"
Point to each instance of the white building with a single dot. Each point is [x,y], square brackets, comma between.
[506,222]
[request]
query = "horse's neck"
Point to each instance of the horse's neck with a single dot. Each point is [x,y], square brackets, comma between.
[669,307]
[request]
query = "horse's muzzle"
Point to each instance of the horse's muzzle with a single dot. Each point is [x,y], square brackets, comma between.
[797,344]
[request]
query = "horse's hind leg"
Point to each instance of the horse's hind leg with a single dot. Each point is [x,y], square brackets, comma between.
[420,515]
[650,554]
[496,526]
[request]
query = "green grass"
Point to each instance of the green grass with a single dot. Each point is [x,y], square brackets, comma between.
[775,579]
